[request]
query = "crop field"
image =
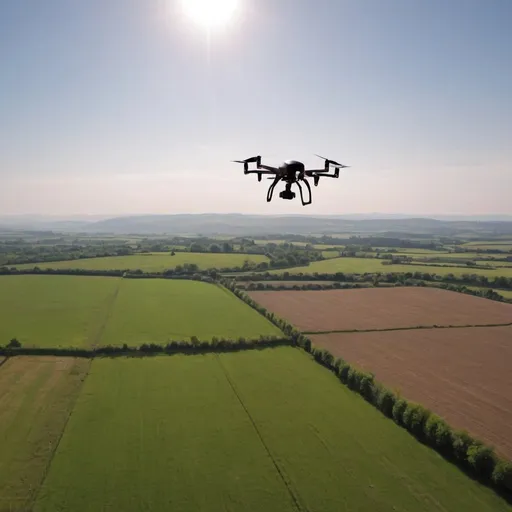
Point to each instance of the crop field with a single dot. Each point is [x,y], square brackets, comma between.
[154,262]
[371,265]
[77,311]
[37,395]
[381,308]
[258,430]
[54,311]
[462,374]
[157,310]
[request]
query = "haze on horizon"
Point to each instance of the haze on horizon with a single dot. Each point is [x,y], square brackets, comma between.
[122,106]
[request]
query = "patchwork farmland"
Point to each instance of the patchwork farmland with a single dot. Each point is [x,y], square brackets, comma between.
[253,430]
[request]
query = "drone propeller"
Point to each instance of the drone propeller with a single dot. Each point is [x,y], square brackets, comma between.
[336,164]
[248,160]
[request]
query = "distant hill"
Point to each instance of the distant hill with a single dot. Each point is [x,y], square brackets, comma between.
[210,224]
[238,224]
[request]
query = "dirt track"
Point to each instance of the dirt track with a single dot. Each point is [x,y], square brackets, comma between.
[381,308]
[463,375]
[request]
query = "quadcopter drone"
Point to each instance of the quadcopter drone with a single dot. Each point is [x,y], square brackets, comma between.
[291,171]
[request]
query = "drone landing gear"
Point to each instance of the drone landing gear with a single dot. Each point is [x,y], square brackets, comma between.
[287,192]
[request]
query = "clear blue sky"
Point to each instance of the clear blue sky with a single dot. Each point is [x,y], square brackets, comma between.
[122,106]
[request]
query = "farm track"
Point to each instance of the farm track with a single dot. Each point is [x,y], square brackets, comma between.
[95,342]
[293,495]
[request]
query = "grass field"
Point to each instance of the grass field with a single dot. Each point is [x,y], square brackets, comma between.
[381,308]
[260,430]
[155,262]
[53,311]
[79,311]
[36,397]
[157,310]
[370,265]
[462,374]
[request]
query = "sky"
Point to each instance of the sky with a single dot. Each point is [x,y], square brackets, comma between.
[130,106]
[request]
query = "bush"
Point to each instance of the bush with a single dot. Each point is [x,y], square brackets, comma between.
[461,441]
[14,343]
[414,419]
[398,410]
[502,475]
[386,401]
[482,459]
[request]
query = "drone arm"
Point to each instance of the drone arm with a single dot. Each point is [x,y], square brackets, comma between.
[272,170]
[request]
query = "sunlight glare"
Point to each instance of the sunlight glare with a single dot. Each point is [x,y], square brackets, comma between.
[210,13]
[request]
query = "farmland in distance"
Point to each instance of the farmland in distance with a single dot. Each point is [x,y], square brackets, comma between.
[462,374]
[257,430]
[154,262]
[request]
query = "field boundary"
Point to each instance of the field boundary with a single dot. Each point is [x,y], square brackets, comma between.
[296,499]
[471,455]
[106,317]
[412,328]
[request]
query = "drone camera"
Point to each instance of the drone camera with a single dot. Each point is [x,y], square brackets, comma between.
[287,194]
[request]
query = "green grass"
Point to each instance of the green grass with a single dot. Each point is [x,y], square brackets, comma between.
[76,311]
[362,265]
[330,254]
[248,431]
[163,433]
[36,397]
[53,311]
[157,310]
[154,262]
[506,293]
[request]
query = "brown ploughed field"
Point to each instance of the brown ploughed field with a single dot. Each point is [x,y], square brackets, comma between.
[463,375]
[381,308]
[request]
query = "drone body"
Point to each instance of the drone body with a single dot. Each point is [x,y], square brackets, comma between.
[291,171]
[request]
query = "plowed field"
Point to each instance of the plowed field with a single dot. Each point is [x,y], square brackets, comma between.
[387,308]
[461,374]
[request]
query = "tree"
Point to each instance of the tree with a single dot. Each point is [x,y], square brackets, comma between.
[14,343]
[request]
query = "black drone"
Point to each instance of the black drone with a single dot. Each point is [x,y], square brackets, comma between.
[291,171]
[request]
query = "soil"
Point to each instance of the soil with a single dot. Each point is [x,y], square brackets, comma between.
[381,308]
[463,375]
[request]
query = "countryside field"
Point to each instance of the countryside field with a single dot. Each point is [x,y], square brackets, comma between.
[154,262]
[381,308]
[371,265]
[258,430]
[37,395]
[461,374]
[79,311]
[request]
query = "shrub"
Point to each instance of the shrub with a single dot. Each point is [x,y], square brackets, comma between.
[14,343]
[386,401]
[398,410]
[461,441]
[414,418]
[481,458]
[502,475]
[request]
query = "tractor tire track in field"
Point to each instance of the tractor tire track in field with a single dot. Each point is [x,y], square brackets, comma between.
[59,439]
[294,496]
[412,328]
[108,313]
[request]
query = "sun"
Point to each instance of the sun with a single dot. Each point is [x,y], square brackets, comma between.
[210,13]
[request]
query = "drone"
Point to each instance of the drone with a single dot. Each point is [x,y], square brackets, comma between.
[291,171]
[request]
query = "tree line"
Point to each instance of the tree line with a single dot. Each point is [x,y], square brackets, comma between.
[458,446]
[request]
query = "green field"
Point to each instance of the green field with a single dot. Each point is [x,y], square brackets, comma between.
[257,430]
[157,310]
[53,311]
[362,265]
[155,262]
[37,395]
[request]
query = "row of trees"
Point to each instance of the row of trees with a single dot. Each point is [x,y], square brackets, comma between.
[497,282]
[458,446]
[192,346]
